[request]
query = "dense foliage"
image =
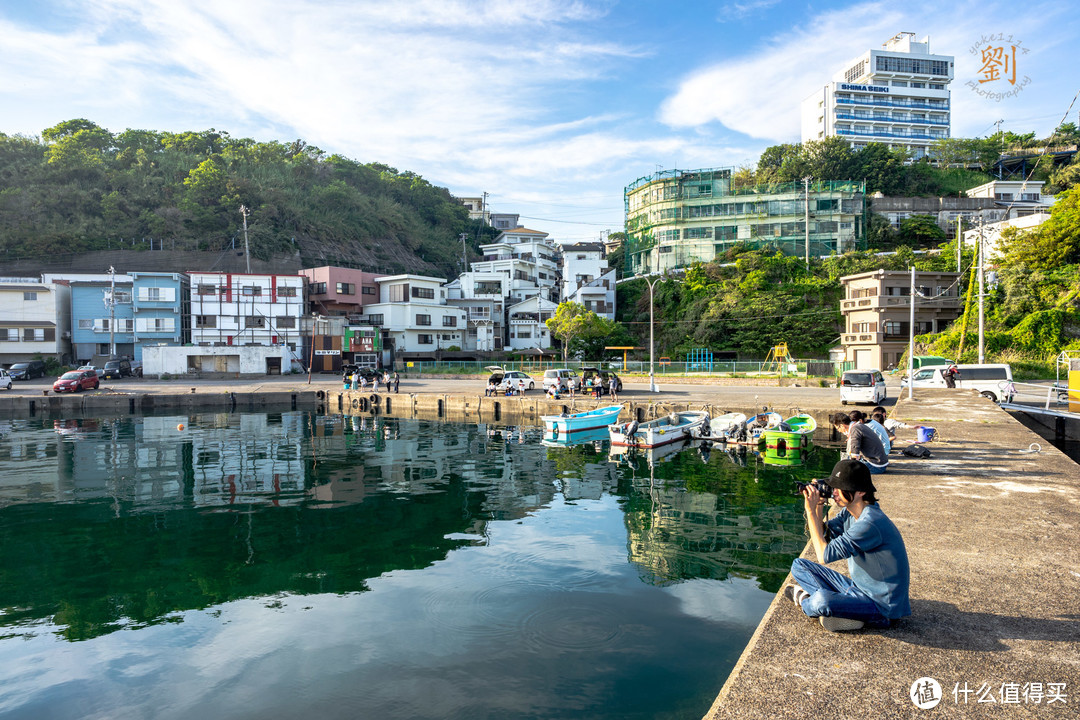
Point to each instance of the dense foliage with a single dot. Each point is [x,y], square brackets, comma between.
[80,187]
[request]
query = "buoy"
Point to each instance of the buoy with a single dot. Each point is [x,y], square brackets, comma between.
[180,427]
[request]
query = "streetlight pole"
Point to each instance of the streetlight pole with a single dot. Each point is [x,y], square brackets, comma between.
[311,357]
[911,338]
[652,377]
[112,312]
[247,253]
[982,317]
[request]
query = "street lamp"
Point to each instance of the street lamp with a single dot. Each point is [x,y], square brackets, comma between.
[652,284]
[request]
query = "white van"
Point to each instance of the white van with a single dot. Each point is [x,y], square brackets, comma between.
[558,376]
[862,386]
[989,380]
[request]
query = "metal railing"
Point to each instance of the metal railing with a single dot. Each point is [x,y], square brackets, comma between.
[718,368]
[1012,391]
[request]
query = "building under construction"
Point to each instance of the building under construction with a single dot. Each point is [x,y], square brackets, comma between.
[677,217]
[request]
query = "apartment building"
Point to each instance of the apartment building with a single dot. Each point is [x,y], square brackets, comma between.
[877,313]
[102,315]
[528,258]
[898,95]
[482,296]
[246,309]
[35,320]
[414,316]
[586,278]
[160,304]
[677,217]
[527,322]
[333,290]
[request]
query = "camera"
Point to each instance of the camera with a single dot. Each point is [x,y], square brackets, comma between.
[823,488]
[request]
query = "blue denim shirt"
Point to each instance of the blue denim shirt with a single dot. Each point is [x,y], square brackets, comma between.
[877,558]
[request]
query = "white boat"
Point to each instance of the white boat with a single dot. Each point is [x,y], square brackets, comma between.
[754,434]
[578,422]
[661,431]
[722,426]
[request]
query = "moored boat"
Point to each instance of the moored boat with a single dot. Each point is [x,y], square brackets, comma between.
[753,435]
[661,431]
[723,426]
[579,422]
[788,443]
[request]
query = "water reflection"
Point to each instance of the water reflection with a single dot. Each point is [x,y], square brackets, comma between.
[429,545]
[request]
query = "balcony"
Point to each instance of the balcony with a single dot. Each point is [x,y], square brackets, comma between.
[943,106]
[884,302]
[890,118]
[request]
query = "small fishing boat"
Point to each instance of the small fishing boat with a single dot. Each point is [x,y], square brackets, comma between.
[790,441]
[753,435]
[579,422]
[722,426]
[661,431]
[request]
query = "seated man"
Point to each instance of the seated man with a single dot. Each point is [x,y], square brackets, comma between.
[863,443]
[877,591]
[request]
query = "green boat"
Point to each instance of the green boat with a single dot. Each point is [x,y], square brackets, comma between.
[789,443]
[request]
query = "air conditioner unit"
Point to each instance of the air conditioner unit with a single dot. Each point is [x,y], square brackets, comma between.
[66,335]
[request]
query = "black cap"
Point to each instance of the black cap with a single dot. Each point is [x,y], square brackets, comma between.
[852,476]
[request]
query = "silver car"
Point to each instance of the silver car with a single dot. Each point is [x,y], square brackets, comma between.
[5,380]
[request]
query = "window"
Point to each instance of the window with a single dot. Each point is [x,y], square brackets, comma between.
[155,324]
[157,294]
[29,296]
[449,321]
[398,293]
[202,289]
[286,292]
[346,289]
[895,328]
[367,290]
[254,321]
[123,296]
[285,321]
[206,321]
[423,319]
[937,86]
[318,288]
[899,83]
[9,334]
[918,85]
[425,339]
[423,293]
[448,336]
[252,290]
[375,319]
[86,324]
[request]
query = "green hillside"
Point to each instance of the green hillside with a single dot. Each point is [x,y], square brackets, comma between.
[81,188]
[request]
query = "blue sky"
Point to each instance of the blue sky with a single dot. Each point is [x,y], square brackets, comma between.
[551,107]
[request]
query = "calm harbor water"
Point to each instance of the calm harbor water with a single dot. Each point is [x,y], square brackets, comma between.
[290,564]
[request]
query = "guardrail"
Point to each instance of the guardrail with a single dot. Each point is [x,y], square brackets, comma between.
[1060,394]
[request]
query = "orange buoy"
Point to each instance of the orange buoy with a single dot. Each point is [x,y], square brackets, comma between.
[180,427]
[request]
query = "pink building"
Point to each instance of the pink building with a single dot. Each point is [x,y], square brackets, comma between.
[340,291]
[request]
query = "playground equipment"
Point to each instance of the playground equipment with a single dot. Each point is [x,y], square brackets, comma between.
[778,360]
[699,359]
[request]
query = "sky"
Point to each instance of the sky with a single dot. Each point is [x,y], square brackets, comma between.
[551,107]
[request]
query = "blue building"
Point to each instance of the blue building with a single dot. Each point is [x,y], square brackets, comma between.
[161,309]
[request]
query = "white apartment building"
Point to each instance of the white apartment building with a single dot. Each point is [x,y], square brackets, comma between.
[898,96]
[586,278]
[528,323]
[35,319]
[482,297]
[413,314]
[246,309]
[528,258]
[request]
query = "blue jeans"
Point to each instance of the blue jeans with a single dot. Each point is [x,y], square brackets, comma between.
[874,469]
[834,595]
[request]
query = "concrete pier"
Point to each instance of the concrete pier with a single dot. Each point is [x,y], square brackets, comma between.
[993,537]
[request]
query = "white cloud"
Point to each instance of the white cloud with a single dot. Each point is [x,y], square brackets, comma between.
[739,10]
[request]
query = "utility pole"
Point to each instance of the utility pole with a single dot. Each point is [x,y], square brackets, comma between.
[483,208]
[112,312]
[806,220]
[247,253]
[911,338]
[464,260]
[982,318]
[959,240]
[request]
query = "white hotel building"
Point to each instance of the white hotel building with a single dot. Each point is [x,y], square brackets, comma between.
[898,96]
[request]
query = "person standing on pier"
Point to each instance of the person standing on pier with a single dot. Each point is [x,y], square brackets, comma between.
[613,388]
[880,577]
[397,382]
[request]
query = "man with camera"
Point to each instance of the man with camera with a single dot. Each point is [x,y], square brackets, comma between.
[877,591]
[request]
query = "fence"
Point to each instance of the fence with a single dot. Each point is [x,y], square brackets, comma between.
[719,368]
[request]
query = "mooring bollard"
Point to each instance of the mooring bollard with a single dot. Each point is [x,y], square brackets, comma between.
[192,391]
[44,392]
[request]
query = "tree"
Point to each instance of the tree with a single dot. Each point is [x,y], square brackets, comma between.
[920,230]
[1054,243]
[573,322]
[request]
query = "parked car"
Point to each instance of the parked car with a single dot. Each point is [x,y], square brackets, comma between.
[76,381]
[117,369]
[93,368]
[367,372]
[990,379]
[27,370]
[136,368]
[504,379]
[601,376]
[5,380]
[862,386]
[558,376]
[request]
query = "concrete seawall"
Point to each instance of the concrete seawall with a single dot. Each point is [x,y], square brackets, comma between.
[992,537]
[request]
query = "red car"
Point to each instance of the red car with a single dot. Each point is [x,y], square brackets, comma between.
[76,381]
